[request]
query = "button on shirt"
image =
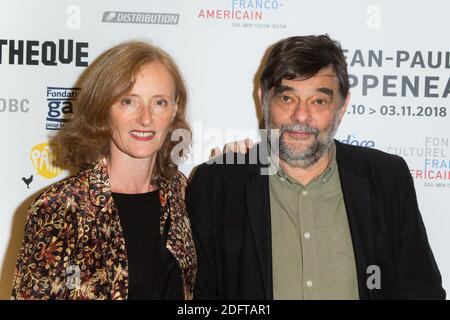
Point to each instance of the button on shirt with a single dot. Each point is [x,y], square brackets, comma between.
[312,250]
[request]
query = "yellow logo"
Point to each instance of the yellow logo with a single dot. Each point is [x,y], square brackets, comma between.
[45,159]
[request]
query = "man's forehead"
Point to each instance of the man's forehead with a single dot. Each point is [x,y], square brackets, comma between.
[315,82]
[324,73]
[326,83]
[328,76]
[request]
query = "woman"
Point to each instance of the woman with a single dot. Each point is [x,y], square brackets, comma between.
[118,228]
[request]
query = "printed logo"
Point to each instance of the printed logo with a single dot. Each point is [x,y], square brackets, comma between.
[27,181]
[60,102]
[14,105]
[352,140]
[429,161]
[45,160]
[244,13]
[140,17]
[47,53]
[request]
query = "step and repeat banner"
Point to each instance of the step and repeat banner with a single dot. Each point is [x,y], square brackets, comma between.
[398,54]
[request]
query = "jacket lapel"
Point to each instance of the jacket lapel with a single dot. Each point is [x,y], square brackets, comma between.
[356,193]
[175,230]
[109,232]
[258,206]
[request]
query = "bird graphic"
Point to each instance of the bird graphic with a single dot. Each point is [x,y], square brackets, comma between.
[28,181]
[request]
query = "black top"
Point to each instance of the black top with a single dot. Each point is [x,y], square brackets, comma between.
[153,271]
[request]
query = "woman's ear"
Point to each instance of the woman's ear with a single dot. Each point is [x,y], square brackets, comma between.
[174,112]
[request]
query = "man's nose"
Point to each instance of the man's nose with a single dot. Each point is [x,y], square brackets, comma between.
[301,113]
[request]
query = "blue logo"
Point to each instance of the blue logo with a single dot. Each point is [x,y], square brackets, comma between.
[256,4]
[352,140]
[59,101]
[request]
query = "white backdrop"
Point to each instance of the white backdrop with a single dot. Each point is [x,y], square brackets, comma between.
[398,53]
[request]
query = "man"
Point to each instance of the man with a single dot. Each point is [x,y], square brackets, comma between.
[334,221]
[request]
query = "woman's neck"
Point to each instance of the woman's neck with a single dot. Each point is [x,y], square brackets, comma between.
[130,175]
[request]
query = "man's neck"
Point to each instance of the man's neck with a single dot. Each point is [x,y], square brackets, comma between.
[306,175]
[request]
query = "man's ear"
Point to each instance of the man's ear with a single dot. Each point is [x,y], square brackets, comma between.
[344,106]
[260,95]
[261,104]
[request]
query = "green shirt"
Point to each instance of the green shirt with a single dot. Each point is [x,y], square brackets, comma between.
[311,243]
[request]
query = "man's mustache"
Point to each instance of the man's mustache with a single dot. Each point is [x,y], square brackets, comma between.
[298,127]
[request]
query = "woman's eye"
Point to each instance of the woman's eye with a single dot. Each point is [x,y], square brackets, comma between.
[126,101]
[161,103]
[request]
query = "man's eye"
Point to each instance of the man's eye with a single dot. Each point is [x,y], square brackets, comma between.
[285,99]
[320,102]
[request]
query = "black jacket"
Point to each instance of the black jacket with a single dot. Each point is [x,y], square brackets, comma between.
[229,208]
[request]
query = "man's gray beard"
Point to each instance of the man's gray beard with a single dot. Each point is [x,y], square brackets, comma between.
[308,157]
